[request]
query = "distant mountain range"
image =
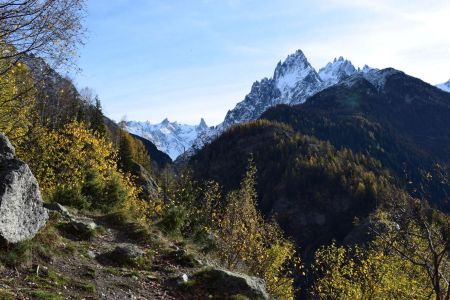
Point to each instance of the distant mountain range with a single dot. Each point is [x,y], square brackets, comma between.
[294,80]
[172,138]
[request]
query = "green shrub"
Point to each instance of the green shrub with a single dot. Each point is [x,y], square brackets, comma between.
[70,196]
[174,220]
[113,194]
[95,192]
[92,188]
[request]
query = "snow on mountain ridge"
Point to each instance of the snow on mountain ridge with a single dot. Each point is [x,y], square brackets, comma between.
[294,80]
[444,86]
[336,71]
[172,138]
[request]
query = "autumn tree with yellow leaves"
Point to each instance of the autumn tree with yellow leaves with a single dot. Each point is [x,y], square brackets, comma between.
[247,242]
[16,101]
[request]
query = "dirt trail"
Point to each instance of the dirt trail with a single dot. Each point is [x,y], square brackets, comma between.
[85,274]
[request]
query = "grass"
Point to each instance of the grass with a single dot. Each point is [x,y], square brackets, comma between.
[86,287]
[18,255]
[118,218]
[45,295]
[112,271]
[89,272]
[47,244]
[49,279]
[239,297]
[72,232]
[5,295]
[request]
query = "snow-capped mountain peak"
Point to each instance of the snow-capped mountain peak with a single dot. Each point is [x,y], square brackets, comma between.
[172,138]
[365,69]
[294,80]
[165,122]
[294,64]
[336,71]
[294,76]
[444,86]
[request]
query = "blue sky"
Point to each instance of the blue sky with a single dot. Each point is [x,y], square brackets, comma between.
[187,59]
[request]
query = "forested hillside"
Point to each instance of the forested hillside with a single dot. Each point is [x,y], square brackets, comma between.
[403,123]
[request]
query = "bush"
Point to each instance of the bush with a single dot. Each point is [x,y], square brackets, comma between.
[95,192]
[113,194]
[173,220]
[70,196]
[92,187]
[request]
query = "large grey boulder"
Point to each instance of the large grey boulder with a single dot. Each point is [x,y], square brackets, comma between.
[224,282]
[22,213]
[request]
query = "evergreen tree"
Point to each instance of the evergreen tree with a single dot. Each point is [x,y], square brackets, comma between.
[125,152]
[97,122]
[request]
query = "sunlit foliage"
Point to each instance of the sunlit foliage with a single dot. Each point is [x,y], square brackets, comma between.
[248,242]
[367,273]
[64,159]
[16,101]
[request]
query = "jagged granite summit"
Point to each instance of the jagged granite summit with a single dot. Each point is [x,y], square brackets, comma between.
[22,213]
[293,81]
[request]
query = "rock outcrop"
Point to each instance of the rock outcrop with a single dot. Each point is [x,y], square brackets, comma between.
[224,282]
[145,181]
[22,213]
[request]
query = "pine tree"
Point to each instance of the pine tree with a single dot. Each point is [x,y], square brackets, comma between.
[97,122]
[125,152]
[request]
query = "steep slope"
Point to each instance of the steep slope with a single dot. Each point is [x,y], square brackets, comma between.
[159,157]
[397,119]
[444,86]
[314,190]
[58,99]
[172,138]
[294,78]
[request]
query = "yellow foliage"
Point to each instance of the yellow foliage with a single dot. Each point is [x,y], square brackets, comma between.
[357,273]
[62,158]
[249,243]
[16,100]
